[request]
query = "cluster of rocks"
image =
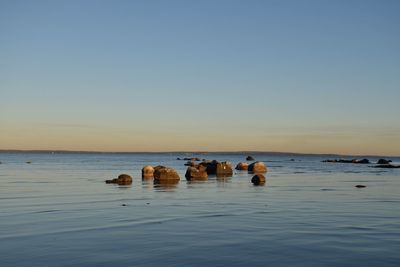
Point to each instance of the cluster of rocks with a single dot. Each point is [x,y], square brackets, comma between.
[218,168]
[255,167]
[160,174]
[258,168]
[356,161]
[381,163]
[190,159]
[196,171]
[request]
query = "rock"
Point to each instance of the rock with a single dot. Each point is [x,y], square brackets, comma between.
[330,160]
[383,161]
[356,161]
[224,169]
[360,186]
[158,167]
[250,158]
[178,158]
[258,179]
[165,174]
[257,167]
[192,159]
[147,172]
[211,166]
[193,173]
[387,166]
[242,166]
[221,169]
[123,179]
[360,161]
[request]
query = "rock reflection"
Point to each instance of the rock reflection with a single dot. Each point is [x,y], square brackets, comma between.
[124,186]
[147,183]
[223,181]
[168,185]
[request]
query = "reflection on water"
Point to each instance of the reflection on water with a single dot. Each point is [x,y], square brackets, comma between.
[167,185]
[196,181]
[124,186]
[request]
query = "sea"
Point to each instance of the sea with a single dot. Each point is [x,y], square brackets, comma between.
[56,210]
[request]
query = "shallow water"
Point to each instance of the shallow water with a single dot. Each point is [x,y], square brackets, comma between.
[57,211]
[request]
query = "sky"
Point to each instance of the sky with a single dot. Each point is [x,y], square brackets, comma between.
[292,76]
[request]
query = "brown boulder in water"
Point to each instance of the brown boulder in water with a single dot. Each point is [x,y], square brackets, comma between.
[258,179]
[193,173]
[147,172]
[162,174]
[224,169]
[242,166]
[257,167]
[123,179]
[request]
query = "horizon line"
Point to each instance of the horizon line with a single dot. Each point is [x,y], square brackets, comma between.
[184,151]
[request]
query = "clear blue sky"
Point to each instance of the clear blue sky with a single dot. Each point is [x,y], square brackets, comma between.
[302,76]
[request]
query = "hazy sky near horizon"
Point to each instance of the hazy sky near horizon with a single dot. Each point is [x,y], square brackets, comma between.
[300,76]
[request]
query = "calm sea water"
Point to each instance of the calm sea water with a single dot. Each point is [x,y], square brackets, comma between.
[57,211]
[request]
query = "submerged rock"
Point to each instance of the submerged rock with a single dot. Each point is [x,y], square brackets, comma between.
[123,179]
[242,166]
[360,186]
[257,167]
[387,166]
[164,174]
[193,173]
[192,159]
[383,161]
[361,161]
[250,158]
[147,172]
[258,179]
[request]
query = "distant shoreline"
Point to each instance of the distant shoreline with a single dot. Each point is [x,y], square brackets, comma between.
[187,152]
